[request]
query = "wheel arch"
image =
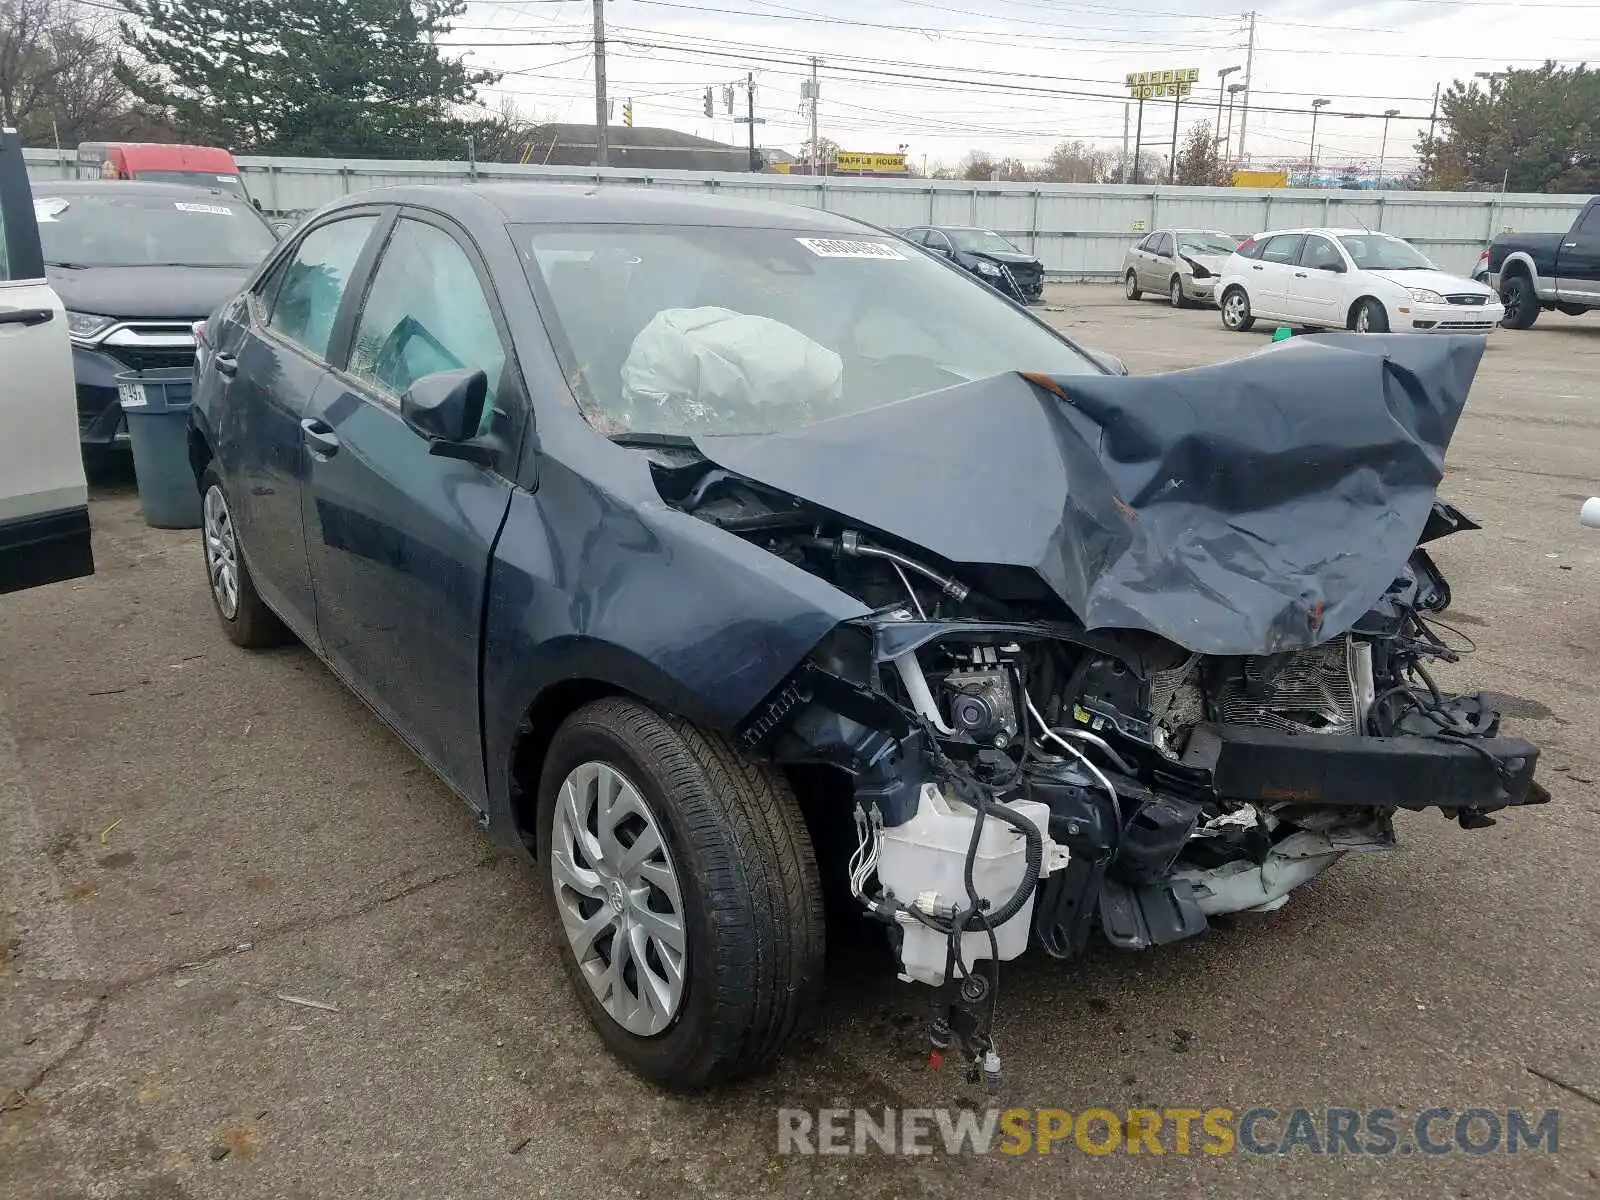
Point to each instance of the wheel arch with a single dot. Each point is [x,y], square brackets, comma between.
[1355,307]
[200,448]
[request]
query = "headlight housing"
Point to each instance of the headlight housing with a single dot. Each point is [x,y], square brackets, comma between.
[1424,296]
[85,327]
[985,267]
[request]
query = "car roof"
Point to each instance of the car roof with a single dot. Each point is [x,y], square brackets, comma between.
[568,204]
[125,187]
[1334,230]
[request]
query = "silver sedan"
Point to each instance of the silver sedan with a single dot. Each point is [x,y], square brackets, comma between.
[1181,264]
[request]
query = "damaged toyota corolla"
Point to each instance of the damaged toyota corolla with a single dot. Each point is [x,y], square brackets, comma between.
[718,552]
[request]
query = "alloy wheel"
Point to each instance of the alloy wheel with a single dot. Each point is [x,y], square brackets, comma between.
[222,552]
[619,896]
[1177,294]
[1364,320]
[1233,310]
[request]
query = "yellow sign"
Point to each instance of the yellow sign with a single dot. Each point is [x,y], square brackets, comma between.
[1138,226]
[848,160]
[1261,179]
[1154,85]
[782,168]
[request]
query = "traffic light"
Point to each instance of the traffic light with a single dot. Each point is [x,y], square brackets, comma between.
[627,113]
[708,102]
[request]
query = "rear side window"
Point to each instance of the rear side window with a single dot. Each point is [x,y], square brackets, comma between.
[1590,226]
[1249,248]
[425,312]
[1285,248]
[314,281]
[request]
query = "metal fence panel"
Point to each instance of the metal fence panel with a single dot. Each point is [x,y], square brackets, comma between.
[1080,231]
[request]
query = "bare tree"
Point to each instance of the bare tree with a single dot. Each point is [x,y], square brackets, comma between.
[1075,162]
[57,80]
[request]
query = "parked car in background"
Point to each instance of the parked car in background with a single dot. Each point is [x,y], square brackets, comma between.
[44,500]
[1536,271]
[1349,279]
[992,258]
[209,167]
[1181,264]
[137,264]
[708,548]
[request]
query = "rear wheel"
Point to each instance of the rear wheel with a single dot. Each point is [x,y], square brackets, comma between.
[1370,317]
[245,617]
[1130,286]
[1175,292]
[1521,301]
[687,892]
[1236,310]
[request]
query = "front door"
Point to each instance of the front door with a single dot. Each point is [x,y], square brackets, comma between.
[44,501]
[1269,275]
[1317,284]
[1578,263]
[270,366]
[400,540]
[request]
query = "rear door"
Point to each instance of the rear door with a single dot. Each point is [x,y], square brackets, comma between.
[1317,284]
[44,501]
[1578,262]
[400,539]
[267,374]
[1268,277]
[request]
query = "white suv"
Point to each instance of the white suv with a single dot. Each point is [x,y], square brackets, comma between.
[44,501]
[1349,279]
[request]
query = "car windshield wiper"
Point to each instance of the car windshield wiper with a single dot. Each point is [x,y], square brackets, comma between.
[674,441]
[70,266]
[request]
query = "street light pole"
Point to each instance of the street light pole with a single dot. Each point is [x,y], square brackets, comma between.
[1317,106]
[1383,146]
[1216,132]
[1233,90]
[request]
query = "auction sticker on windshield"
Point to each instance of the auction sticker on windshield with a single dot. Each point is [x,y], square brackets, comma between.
[215,209]
[845,248]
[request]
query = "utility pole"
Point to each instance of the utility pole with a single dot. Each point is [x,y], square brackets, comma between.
[1434,115]
[816,153]
[1123,178]
[600,148]
[750,113]
[1249,71]
[1172,162]
[1138,138]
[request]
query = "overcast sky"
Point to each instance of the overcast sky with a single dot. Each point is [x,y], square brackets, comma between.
[949,76]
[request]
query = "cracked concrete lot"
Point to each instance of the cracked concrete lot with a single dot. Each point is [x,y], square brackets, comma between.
[249,948]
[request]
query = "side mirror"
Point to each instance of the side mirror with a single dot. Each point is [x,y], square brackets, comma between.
[1335,268]
[1109,361]
[446,408]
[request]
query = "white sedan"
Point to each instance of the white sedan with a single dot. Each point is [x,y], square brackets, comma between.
[1349,279]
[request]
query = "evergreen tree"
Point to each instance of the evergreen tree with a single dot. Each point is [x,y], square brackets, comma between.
[360,78]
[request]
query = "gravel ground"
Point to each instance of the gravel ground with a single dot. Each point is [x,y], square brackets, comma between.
[194,841]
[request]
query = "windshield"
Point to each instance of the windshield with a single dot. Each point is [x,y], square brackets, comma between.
[981,241]
[1194,242]
[1380,252]
[133,230]
[707,330]
[231,184]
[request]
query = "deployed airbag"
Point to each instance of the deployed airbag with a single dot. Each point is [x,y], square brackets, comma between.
[712,367]
[1249,507]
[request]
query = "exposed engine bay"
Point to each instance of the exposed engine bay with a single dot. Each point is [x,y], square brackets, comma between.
[1233,716]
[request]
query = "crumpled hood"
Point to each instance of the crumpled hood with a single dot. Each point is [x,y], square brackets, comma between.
[1002,256]
[1213,263]
[1250,507]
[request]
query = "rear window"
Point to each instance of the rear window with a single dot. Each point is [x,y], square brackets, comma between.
[231,184]
[122,227]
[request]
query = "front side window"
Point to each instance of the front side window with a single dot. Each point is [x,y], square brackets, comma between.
[314,281]
[706,330]
[425,312]
[1164,246]
[123,227]
[1380,252]
[1319,254]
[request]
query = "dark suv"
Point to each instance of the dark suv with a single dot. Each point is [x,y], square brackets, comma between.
[137,264]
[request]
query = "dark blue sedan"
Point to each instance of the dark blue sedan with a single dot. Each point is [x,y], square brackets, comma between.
[729,557]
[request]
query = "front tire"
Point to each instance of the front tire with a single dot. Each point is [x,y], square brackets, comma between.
[1522,303]
[687,890]
[1370,317]
[1130,286]
[1175,293]
[245,617]
[1236,311]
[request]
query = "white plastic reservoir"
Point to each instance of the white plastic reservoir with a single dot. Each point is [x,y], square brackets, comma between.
[923,862]
[1589,514]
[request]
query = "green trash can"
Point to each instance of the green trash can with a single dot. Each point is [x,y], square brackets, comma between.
[156,404]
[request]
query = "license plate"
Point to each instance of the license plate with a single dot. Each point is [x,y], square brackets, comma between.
[131,395]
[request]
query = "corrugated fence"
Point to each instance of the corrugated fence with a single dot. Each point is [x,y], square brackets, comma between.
[1080,231]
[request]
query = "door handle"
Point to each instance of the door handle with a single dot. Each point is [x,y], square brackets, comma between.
[321,436]
[26,316]
[1300,275]
[226,364]
[1253,267]
[1569,245]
